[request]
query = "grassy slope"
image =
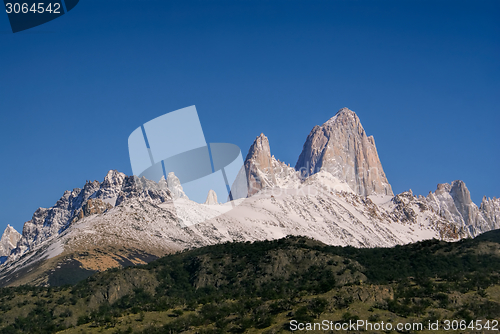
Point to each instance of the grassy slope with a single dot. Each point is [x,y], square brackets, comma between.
[259,287]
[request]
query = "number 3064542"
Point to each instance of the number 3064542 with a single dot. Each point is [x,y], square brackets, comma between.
[35,8]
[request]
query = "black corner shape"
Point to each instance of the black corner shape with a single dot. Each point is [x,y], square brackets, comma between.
[26,14]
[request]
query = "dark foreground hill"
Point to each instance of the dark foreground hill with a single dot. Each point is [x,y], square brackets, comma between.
[262,286]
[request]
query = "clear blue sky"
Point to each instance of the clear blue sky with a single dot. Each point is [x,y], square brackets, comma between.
[423,76]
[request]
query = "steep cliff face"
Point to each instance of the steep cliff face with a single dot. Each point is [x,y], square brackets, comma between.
[453,202]
[9,240]
[258,165]
[340,146]
[263,170]
[211,198]
[491,211]
[174,186]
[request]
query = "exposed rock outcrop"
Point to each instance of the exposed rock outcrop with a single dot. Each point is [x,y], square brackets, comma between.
[338,195]
[9,240]
[258,165]
[491,211]
[453,202]
[92,206]
[341,147]
[211,198]
[174,185]
[263,170]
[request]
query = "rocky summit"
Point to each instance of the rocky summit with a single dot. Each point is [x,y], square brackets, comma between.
[211,198]
[263,170]
[10,238]
[258,165]
[341,147]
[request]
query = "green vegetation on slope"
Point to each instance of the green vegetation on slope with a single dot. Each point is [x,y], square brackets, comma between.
[261,286]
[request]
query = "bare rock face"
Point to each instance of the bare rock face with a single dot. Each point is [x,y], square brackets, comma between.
[93,206]
[174,185]
[491,211]
[469,211]
[258,165]
[9,240]
[211,198]
[453,202]
[263,170]
[340,146]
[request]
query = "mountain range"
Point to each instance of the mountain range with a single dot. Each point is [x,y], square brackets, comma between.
[337,193]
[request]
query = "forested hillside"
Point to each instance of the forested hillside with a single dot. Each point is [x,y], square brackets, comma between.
[262,286]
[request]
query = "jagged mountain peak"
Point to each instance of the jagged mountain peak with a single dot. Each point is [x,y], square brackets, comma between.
[9,230]
[259,165]
[114,177]
[457,189]
[342,115]
[263,170]
[443,188]
[341,147]
[460,193]
[331,204]
[10,238]
[453,202]
[260,149]
[488,199]
[174,185]
[94,198]
[345,110]
[211,198]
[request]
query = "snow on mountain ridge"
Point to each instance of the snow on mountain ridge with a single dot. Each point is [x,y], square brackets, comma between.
[314,208]
[95,197]
[334,118]
[108,190]
[263,170]
[453,202]
[491,211]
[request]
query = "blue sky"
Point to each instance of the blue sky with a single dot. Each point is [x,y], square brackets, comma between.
[423,76]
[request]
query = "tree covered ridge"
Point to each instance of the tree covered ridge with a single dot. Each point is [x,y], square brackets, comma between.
[233,287]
